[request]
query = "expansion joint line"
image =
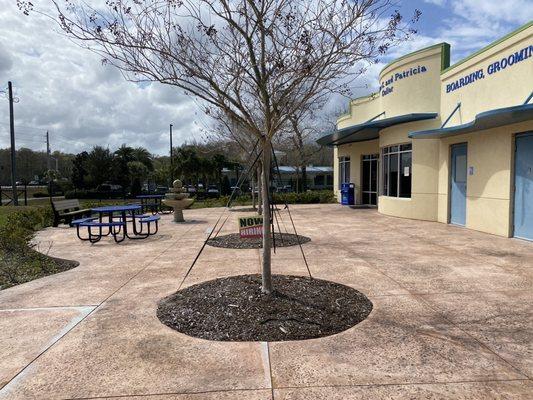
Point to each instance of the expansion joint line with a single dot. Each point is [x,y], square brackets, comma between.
[94,308]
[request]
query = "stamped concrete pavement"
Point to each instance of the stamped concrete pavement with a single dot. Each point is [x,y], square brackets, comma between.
[452,316]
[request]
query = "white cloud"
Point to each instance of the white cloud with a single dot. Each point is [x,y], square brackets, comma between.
[481,11]
[466,25]
[65,89]
[436,2]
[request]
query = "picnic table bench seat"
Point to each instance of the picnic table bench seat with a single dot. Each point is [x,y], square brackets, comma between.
[78,221]
[118,234]
[102,224]
[150,218]
[67,210]
[147,221]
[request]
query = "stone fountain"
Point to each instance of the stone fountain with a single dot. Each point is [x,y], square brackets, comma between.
[178,199]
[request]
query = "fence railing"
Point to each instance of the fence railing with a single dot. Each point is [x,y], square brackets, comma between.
[7,196]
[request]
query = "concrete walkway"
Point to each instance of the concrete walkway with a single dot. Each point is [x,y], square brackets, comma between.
[452,316]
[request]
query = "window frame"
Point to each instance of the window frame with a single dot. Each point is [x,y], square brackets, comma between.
[386,153]
[344,162]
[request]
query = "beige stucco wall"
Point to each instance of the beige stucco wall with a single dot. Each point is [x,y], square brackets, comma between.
[416,93]
[508,87]
[489,190]
[361,110]
[355,151]
[423,203]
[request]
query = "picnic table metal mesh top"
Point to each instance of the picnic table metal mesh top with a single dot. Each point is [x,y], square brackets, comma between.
[127,207]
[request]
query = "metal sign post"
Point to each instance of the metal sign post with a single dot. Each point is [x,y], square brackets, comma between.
[13,153]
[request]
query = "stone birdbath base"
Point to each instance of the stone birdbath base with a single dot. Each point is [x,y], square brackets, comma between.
[178,199]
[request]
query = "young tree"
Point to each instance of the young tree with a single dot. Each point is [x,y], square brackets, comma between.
[298,140]
[226,130]
[256,61]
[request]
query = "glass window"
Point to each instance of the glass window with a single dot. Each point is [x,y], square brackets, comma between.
[385,163]
[405,174]
[397,170]
[344,170]
[460,169]
[393,175]
[319,180]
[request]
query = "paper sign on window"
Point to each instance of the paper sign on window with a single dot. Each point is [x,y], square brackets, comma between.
[406,171]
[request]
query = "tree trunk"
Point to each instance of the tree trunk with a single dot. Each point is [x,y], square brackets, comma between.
[266,276]
[304,178]
[254,203]
[259,190]
[297,180]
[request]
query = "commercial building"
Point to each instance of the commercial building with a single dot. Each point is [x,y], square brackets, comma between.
[445,143]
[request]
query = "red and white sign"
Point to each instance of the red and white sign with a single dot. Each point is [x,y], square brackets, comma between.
[251,227]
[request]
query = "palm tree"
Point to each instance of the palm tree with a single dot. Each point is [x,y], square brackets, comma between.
[142,155]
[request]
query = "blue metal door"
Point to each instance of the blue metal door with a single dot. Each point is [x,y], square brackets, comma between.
[523,196]
[458,184]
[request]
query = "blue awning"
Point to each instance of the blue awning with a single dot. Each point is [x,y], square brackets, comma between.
[369,130]
[485,120]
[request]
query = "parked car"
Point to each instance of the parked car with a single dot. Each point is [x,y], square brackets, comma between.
[109,188]
[236,189]
[212,191]
[284,189]
[161,190]
[190,189]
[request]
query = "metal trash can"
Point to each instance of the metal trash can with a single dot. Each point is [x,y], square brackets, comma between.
[347,194]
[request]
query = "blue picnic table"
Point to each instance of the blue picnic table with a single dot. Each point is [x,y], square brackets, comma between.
[152,202]
[117,223]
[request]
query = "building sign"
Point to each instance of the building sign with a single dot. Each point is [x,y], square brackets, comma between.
[251,227]
[491,69]
[387,87]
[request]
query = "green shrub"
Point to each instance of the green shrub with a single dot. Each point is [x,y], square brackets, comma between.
[18,261]
[309,197]
[222,201]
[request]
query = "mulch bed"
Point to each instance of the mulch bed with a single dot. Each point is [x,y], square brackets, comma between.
[234,309]
[18,268]
[234,241]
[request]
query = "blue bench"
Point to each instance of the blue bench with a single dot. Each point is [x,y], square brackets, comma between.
[78,222]
[118,234]
[147,221]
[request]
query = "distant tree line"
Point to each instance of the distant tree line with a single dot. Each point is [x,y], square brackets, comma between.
[32,165]
[132,167]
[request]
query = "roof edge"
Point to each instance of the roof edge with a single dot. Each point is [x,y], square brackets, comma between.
[469,124]
[445,56]
[371,124]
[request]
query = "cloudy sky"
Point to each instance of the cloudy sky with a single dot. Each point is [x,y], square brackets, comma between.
[66,90]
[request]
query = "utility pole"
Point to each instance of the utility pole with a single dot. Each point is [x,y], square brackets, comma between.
[13,154]
[48,165]
[171,158]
